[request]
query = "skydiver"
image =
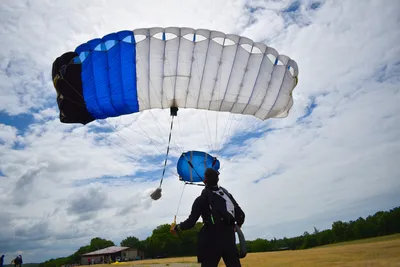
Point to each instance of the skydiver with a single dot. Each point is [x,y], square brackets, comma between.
[216,238]
[17,262]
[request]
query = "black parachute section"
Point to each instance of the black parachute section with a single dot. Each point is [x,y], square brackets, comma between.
[68,84]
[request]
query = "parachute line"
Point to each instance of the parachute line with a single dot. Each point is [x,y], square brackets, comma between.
[131,71]
[108,137]
[180,200]
[174,111]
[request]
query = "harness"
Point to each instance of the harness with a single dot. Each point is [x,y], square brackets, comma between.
[222,215]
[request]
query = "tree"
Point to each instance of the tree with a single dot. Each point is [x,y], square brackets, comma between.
[99,243]
[259,245]
[132,242]
[309,240]
[339,230]
[325,237]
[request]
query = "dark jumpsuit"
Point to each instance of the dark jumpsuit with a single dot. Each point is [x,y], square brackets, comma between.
[214,242]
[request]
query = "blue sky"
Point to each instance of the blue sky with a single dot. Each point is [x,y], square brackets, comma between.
[335,157]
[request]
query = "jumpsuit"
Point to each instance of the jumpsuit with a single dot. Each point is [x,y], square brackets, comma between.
[214,241]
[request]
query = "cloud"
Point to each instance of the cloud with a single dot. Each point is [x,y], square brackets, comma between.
[335,157]
[87,203]
[24,185]
[8,135]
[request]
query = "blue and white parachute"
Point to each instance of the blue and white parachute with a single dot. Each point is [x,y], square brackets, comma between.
[130,71]
[156,68]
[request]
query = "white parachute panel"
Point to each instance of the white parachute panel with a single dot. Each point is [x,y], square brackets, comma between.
[220,73]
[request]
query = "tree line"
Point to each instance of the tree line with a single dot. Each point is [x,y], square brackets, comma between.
[161,243]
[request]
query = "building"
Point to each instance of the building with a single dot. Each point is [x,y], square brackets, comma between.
[114,253]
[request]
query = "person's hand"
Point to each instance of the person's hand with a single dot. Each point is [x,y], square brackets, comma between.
[173,228]
[237,226]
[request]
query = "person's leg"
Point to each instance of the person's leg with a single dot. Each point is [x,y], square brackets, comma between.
[230,253]
[209,248]
[210,261]
[231,258]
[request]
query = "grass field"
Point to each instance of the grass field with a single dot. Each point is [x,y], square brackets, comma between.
[379,252]
[368,240]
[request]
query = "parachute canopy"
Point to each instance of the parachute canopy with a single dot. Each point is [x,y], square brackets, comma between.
[156,68]
[192,165]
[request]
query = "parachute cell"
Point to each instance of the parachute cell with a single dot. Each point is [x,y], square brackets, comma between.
[192,165]
[157,68]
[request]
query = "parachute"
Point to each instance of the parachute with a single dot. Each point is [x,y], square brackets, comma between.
[192,165]
[131,71]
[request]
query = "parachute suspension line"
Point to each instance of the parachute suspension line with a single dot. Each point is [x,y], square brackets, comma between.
[145,70]
[201,94]
[220,143]
[216,133]
[207,132]
[242,151]
[183,189]
[180,131]
[109,124]
[180,198]
[191,165]
[227,132]
[179,202]
[237,126]
[174,113]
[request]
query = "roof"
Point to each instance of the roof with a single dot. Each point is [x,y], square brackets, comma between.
[109,250]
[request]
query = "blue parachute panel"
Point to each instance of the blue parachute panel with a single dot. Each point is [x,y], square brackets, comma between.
[109,81]
[192,165]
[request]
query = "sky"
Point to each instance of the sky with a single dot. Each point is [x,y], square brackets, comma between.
[335,157]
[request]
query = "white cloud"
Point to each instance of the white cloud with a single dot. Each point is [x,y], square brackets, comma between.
[8,135]
[63,184]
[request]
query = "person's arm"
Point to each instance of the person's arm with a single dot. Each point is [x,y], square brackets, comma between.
[193,217]
[241,215]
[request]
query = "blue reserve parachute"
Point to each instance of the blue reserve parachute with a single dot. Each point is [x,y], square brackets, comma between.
[192,165]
